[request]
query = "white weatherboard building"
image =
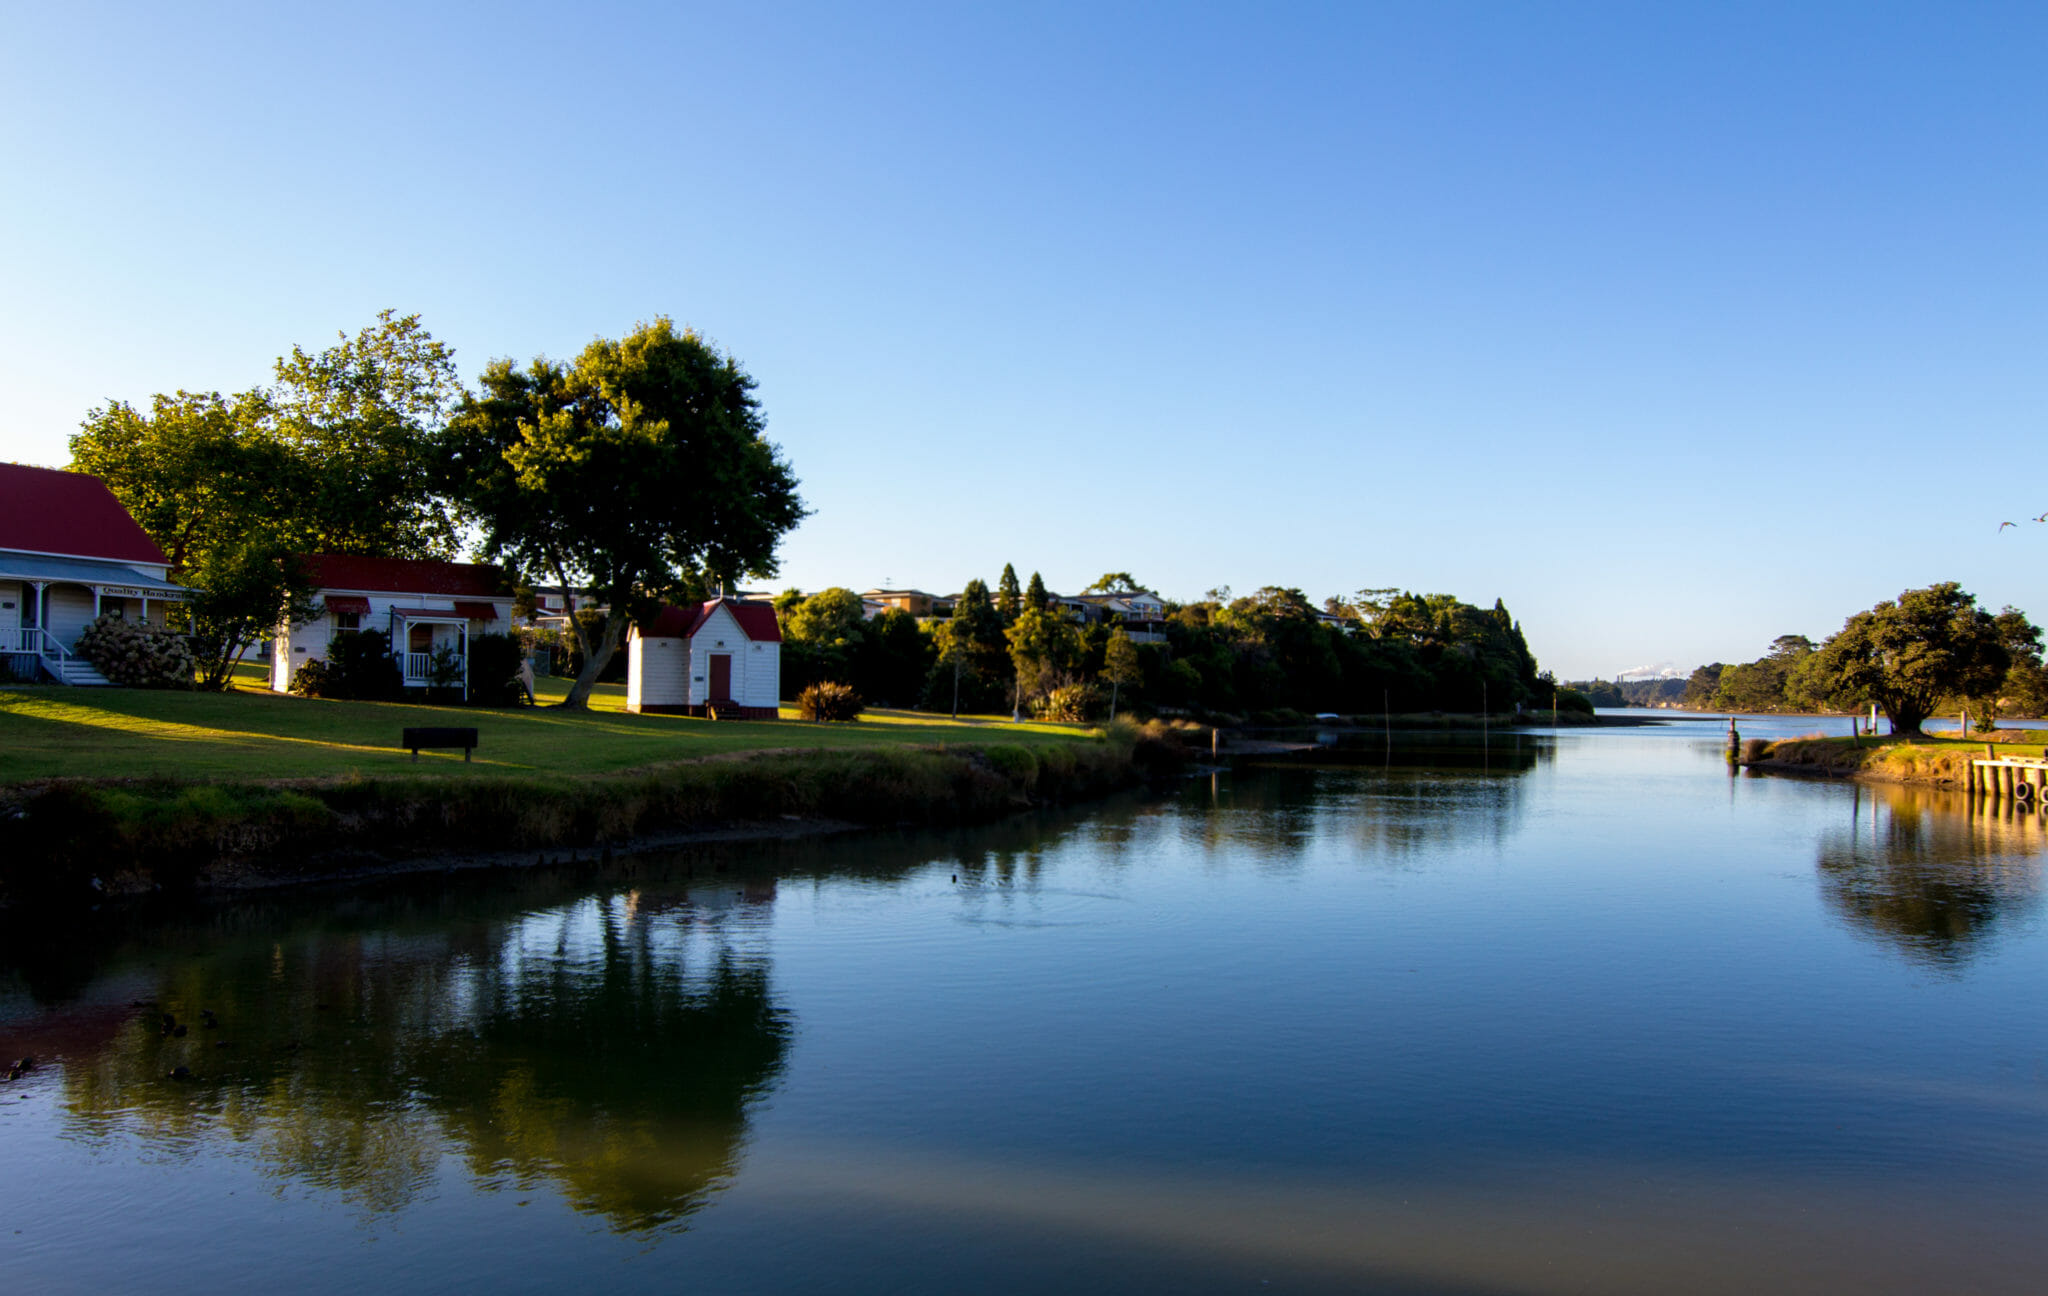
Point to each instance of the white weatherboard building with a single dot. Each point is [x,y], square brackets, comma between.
[430,610]
[721,658]
[68,553]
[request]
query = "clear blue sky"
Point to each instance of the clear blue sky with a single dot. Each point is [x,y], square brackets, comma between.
[1676,327]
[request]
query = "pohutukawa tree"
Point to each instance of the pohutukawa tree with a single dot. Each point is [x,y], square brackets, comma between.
[640,471]
[1906,656]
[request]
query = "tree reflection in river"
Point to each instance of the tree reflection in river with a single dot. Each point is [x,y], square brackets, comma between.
[1930,873]
[611,1046]
[1417,792]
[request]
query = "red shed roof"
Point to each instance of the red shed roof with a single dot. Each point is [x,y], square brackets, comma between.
[405,576]
[47,511]
[757,620]
[673,623]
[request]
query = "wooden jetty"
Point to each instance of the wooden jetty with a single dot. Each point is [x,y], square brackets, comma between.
[2022,779]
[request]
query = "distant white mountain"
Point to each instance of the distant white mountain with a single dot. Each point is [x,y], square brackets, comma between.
[1661,670]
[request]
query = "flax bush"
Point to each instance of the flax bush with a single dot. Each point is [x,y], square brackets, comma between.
[137,654]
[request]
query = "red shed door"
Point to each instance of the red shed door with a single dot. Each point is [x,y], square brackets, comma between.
[721,678]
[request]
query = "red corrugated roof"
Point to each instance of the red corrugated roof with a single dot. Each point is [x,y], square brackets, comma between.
[43,510]
[672,623]
[404,575]
[757,621]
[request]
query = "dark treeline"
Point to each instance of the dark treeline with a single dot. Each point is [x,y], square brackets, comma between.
[1930,651]
[1266,654]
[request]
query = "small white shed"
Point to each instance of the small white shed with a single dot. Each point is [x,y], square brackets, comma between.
[719,658]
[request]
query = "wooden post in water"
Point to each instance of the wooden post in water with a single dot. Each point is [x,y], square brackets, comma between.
[1734,747]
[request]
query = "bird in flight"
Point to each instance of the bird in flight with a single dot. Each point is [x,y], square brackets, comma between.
[2042,518]
[2003,525]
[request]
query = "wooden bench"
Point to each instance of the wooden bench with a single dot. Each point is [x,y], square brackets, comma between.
[430,737]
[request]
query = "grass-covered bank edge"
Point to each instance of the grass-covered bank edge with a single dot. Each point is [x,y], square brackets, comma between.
[1933,761]
[78,839]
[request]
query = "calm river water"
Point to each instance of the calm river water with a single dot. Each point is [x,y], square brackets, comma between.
[1573,1013]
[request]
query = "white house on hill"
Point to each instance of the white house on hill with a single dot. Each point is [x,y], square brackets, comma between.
[721,658]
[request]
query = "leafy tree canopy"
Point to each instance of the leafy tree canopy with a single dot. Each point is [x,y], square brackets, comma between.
[1906,655]
[638,470]
[363,418]
[1044,650]
[1113,583]
[338,456]
[826,630]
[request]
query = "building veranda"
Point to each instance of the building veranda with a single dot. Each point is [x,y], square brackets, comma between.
[431,610]
[70,553]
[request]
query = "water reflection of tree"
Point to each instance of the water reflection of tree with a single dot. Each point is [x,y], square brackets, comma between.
[1928,873]
[611,1047]
[1423,792]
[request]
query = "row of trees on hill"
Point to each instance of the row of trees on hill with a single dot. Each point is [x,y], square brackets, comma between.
[640,471]
[1929,651]
[1631,693]
[1270,651]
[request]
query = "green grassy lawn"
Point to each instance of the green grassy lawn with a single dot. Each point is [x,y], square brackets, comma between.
[250,733]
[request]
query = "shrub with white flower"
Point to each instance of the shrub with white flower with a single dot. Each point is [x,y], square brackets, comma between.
[137,654]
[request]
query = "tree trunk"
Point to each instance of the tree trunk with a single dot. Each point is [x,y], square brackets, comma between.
[595,659]
[1112,699]
[1906,721]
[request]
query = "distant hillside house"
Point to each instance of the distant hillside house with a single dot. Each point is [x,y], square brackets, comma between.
[69,552]
[1141,613]
[429,608]
[916,602]
[721,658]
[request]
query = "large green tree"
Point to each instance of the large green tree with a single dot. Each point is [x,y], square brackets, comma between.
[1767,684]
[822,637]
[1045,648]
[2022,640]
[338,455]
[363,421]
[209,480]
[640,471]
[1908,654]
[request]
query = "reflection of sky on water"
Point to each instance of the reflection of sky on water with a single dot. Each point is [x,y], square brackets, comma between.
[1572,1012]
